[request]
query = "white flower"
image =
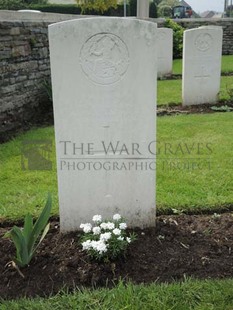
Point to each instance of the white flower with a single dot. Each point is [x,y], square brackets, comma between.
[87,245]
[96,230]
[122,225]
[110,225]
[116,217]
[116,231]
[120,238]
[86,227]
[99,246]
[104,226]
[97,218]
[128,239]
[106,236]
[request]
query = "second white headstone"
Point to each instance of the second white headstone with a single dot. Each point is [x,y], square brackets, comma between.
[202,54]
[165,51]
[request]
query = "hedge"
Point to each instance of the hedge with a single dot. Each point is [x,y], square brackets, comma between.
[75,9]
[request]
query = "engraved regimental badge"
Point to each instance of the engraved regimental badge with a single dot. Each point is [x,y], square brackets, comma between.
[104,58]
[204,42]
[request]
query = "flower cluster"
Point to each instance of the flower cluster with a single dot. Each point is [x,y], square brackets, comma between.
[105,239]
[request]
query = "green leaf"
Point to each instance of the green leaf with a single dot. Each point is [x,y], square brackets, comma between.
[44,232]
[40,223]
[43,236]
[21,246]
[25,239]
[28,226]
[7,234]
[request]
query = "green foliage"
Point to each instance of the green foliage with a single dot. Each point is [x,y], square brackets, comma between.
[31,2]
[153,10]
[97,5]
[223,108]
[26,239]
[169,3]
[133,8]
[229,11]
[226,94]
[189,294]
[12,4]
[57,8]
[165,11]
[48,89]
[19,4]
[177,37]
[75,9]
[165,7]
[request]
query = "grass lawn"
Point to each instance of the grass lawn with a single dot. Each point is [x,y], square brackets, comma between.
[203,178]
[170,91]
[194,172]
[189,295]
[227,64]
[177,186]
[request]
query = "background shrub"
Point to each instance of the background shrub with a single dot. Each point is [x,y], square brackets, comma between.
[133,9]
[19,4]
[57,8]
[75,9]
[177,37]
[12,5]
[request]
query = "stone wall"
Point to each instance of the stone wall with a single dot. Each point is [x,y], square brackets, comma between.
[24,64]
[24,67]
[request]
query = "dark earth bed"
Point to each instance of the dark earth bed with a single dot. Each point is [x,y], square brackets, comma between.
[198,246]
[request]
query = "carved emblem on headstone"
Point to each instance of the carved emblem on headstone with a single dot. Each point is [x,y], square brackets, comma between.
[204,42]
[104,58]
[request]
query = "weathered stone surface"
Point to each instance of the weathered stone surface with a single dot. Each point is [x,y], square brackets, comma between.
[104,92]
[21,50]
[15,31]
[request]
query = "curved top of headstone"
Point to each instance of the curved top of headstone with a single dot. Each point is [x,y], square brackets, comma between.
[105,21]
[104,54]
[209,28]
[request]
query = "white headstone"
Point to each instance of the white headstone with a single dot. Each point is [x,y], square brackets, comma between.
[202,54]
[104,81]
[165,51]
[143,7]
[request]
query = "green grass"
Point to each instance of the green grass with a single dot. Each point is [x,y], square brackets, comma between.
[227,65]
[22,191]
[201,186]
[188,295]
[170,91]
[189,187]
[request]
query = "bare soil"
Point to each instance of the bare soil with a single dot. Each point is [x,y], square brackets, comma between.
[198,246]
[193,109]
